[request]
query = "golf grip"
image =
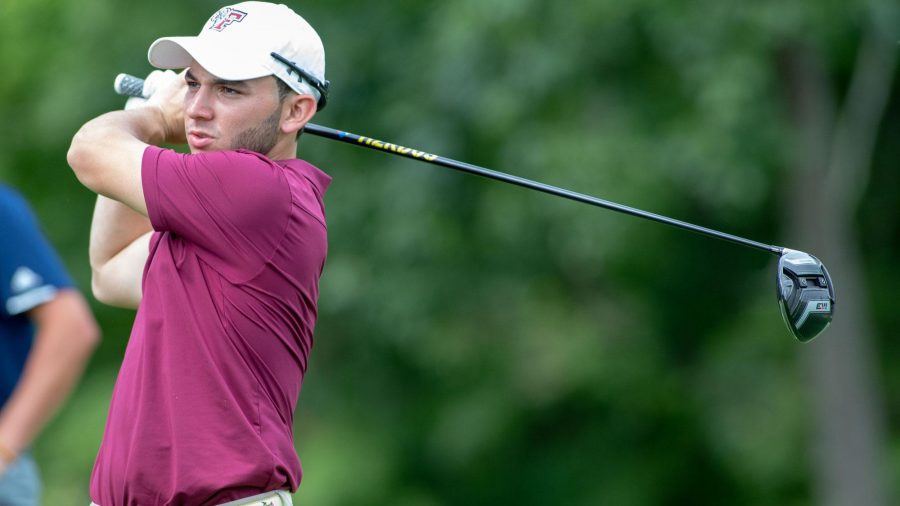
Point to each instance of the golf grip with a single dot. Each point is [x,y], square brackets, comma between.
[132,86]
[129,85]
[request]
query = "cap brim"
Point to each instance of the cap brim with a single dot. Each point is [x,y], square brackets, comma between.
[220,61]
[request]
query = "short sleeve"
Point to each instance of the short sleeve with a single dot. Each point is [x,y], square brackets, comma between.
[231,206]
[31,272]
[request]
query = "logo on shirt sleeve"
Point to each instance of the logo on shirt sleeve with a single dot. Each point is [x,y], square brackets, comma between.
[24,279]
[28,291]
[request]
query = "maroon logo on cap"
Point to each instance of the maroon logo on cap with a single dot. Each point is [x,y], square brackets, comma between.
[225,17]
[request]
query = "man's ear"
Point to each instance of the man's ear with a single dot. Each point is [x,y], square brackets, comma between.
[299,109]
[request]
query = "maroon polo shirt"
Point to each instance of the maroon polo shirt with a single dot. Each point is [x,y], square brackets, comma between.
[202,410]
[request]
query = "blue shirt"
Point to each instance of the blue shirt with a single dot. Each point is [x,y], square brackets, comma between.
[30,275]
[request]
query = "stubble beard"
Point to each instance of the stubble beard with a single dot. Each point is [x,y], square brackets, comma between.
[262,137]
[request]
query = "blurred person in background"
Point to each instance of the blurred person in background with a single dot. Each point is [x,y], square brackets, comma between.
[47,335]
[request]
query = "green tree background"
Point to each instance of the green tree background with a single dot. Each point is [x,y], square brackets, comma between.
[481,344]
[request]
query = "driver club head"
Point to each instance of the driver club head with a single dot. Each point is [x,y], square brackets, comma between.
[805,294]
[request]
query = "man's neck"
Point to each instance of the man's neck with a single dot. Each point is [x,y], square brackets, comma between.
[284,150]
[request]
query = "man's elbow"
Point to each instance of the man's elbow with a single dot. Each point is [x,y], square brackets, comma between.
[99,289]
[70,315]
[85,329]
[107,292]
[82,159]
[89,333]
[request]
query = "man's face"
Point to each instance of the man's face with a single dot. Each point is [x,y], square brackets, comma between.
[226,115]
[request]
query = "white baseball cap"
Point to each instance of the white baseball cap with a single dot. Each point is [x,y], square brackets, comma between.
[238,42]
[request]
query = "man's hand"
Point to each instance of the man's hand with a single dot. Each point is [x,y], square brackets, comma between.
[150,84]
[166,93]
[7,457]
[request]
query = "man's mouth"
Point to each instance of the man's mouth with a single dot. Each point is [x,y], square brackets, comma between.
[199,140]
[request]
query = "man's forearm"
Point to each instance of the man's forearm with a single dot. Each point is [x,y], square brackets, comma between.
[145,124]
[148,124]
[107,152]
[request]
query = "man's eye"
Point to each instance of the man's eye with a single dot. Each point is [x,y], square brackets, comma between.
[193,84]
[230,91]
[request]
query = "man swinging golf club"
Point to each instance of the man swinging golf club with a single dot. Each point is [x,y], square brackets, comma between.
[220,251]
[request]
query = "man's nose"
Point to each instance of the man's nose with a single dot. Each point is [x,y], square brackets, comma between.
[199,104]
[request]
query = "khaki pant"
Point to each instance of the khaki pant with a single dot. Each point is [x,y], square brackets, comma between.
[276,498]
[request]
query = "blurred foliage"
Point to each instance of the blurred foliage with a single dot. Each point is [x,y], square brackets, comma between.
[477,343]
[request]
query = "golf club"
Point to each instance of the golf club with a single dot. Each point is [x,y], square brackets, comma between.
[803,286]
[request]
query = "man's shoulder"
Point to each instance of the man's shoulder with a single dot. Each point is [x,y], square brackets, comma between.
[10,197]
[237,156]
[316,177]
[234,160]
[13,206]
